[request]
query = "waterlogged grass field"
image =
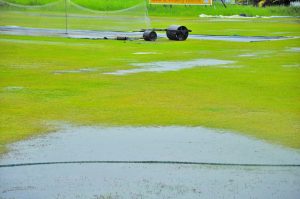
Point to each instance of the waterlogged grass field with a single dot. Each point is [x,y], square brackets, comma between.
[46,80]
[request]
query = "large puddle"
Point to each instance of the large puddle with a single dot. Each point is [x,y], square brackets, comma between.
[165,66]
[71,164]
[91,34]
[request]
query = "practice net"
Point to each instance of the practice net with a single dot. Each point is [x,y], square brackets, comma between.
[66,15]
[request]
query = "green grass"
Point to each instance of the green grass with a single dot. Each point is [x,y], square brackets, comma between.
[93,4]
[166,10]
[245,27]
[219,9]
[260,99]
[108,5]
[30,2]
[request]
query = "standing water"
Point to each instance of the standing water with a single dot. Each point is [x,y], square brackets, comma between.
[148,162]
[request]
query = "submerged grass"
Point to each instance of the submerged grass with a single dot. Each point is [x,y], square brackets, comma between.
[259,98]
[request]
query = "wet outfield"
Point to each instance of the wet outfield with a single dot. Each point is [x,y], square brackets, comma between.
[147,162]
[90,34]
[165,66]
[154,162]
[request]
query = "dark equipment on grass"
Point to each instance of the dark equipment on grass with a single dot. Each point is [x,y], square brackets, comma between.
[178,33]
[149,35]
[174,33]
[122,38]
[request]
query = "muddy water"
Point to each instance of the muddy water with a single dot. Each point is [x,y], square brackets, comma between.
[80,180]
[165,66]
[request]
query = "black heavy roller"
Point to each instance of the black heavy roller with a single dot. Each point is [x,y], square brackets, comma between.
[150,35]
[178,33]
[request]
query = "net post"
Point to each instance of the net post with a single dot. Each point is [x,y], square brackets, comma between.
[147,18]
[66,17]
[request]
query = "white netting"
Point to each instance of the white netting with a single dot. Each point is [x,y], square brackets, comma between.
[68,14]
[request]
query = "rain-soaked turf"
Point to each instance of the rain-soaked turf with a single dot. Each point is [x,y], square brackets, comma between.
[156,162]
[57,79]
[113,35]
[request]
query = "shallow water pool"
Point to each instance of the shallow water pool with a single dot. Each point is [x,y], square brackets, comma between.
[71,165]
